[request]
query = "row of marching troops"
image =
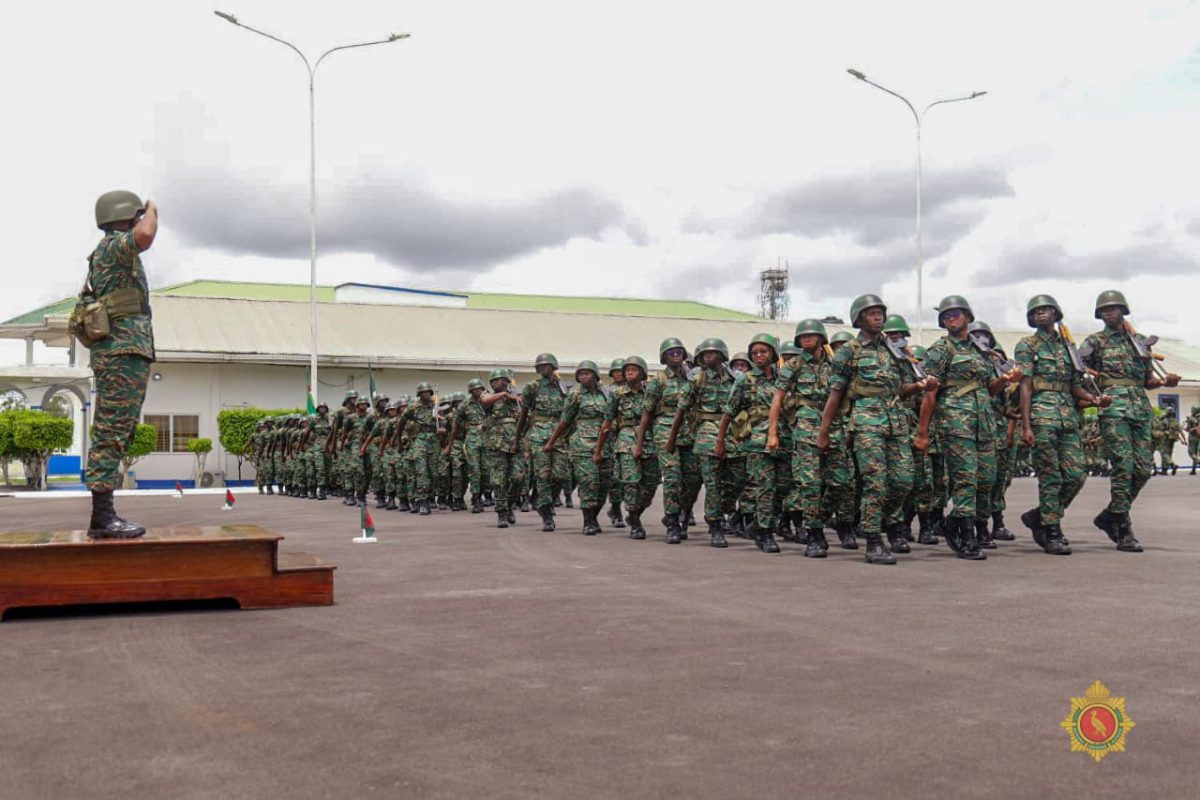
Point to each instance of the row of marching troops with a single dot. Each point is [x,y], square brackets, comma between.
[861,434]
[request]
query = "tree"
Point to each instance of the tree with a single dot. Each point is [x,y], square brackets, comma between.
[8,449]
[57,406]
[200,448]
[12,401]
[235,426]
[40,434]
[144,439]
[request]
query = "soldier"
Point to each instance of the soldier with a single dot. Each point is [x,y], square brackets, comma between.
[583,416]
[960,390]
[679,469]
[865,371]
[821,477]
[1172,433]
[374,456]
[262,459]
[1006,407]
[1193,436]
[616,372]
[1124,377]
[402,435]
[895,327]
[423,445]
[504,462]
[1050,389]
[355,435]
[542,405]
[468,424]
[749,410]
[337,457]
[738,500]
[457,457]
[388,456]
[120,361]
[703,403]
[638,463]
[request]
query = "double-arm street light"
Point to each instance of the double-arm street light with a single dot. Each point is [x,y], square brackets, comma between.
[312,171]
[917,117]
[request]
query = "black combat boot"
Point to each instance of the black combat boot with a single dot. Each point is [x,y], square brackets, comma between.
[402,504]
[983,536]
[1056,543]
[908,521]
[321,493]
[262,489]
[815,544]
[999,532]
[716,533]
[512,518]
[414,506]
[614,516]
[766,541]
[925,533]
[476,504]
[1032,519]
[568,500]
[968,538]
[783,524]
[1127,542]
[953,533]
[735,524]
[270,489]
[423,507]
[876,554]
[896,540]
[796,521]
[558,500]
[526,506]
[845,534]
[380,500]
[392,505]
[501,517]
[636,531]
[1110,523]
[105,524]
[547,515]
[671,523]
[487,501]
[591,526]
[683,524]
[349,500]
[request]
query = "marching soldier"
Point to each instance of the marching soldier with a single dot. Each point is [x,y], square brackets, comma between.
[679,469]
[468,423]
[504,461]
[638,462]
[583,417]
[542,405]
[1193,436]
[616,372]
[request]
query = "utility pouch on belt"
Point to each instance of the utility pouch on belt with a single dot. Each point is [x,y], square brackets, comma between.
[89,319]
[743,424]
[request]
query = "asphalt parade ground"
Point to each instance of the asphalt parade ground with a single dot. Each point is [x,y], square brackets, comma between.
[464,661]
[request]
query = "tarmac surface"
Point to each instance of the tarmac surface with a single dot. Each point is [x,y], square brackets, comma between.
[464,661]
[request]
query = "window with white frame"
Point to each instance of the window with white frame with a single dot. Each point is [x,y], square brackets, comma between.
[173,431]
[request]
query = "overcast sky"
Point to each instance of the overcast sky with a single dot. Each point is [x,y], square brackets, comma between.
[652,149]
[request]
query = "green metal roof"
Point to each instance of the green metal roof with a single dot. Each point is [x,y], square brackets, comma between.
[299,292]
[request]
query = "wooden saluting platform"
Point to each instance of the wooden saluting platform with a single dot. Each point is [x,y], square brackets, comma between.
[241,562]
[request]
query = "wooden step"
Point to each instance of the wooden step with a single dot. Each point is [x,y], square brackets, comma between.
[241,562]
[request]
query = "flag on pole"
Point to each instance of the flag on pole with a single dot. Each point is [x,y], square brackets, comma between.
[312,407]
[178,490]
[367,524]
[228,501]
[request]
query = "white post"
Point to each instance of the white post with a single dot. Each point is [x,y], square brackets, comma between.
[312,233]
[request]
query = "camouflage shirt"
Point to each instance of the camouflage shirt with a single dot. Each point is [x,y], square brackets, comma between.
[585,411]
[318,431]
[964,405]
[805,378]
[871,378]
[625,411]
[500,425]
[1122,374]
[470,416]
[662,398]
[425,417]
[1045,361]
[703,401]
[544,398]
[752,393]
[115,264]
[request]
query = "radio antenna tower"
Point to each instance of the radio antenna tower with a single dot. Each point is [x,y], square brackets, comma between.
[773,291]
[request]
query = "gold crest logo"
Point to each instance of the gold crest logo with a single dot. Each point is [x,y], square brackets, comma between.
[1097,723]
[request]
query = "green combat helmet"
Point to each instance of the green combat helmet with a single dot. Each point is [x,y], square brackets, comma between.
[951,302]
[585,364]
[545,358]
[474,384]
[1111,297]
[841,337]
[745,357]
[978,326]
[918,352]
[789,350]
[1038,301]
[640,363]
[424,386]
[767,339]
[862,303]
[895,323]
[350,395]
[617,365]
[117,206]
[498,372]
[666,345]
[713,346]
[812,326]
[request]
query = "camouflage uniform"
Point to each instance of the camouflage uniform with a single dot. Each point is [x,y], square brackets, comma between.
[263,475]
[505,468]
[121,362]
[423,447]
[680,470]
[545,399]
[585,412]
[639,476]
[1192,425]
[879,429]
[703,402]
[469,416]
[750,405]
[356,430]
[1057,446]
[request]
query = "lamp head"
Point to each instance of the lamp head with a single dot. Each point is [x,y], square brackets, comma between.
[857,74]
[395,37]
[226,17]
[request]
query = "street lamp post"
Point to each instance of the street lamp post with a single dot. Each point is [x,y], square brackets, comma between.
[918,118]
[312,172]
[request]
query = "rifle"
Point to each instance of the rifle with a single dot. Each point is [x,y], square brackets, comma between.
[1077,361]
[1142,346]
[1001,365]
[900,352]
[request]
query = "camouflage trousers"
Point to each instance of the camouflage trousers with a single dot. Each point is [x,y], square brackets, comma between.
[263,473]
[354,476]
[1058,462]
[594,479]
[1006,457]
[769,473]
[120,390]
[821,483]
[452,472]
[389,464]
[507,474]
[317,473]
[681,478]
[1194,448]
[405,473]
[715,474]
[737,490]
[971,470]
[1166,454]
[424,457]
[551,471]
[473,456]
[639,480]
[1127,442]
[885,467]
[616,490]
